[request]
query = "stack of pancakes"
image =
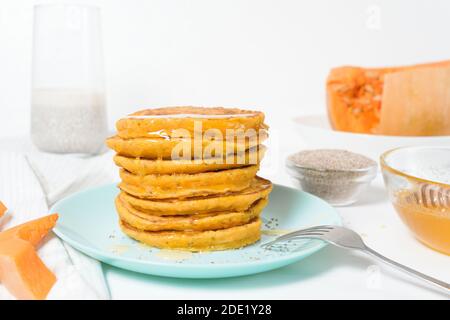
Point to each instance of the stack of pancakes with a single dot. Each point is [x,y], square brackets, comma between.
[189,177]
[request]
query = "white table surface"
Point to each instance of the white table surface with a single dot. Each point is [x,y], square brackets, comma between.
[332,273]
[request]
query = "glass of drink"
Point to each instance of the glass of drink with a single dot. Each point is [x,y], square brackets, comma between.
[68,107]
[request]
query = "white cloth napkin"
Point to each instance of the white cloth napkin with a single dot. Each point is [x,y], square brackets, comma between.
[30,183]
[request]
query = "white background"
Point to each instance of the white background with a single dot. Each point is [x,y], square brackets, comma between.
[263,54]
[271,55]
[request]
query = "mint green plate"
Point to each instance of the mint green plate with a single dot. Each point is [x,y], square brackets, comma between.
[88,221]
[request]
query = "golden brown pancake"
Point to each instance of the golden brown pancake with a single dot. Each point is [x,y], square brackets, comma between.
[198,222]
[159,148]
[188,177]
[163,186]
[223,239]
[143,166]
[237,201]
[164,122]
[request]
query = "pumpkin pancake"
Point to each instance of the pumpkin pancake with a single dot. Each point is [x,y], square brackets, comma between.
[162,186]
[142,166]
[159,148]
[223,239]
[198,222]
[236,201]
[164,122]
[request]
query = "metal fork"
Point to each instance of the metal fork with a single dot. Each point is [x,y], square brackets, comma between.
[346,238]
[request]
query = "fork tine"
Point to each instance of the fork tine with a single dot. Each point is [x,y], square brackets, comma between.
[324,227]
[312,232]
[288,246]
[302,232]
[310,235]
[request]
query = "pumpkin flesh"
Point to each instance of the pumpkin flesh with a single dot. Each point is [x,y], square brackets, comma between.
[22,272]
[355,94]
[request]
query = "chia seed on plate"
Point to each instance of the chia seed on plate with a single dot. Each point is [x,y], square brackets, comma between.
[337,176]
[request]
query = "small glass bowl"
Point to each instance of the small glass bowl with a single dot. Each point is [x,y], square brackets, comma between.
[418,183]
[337,187]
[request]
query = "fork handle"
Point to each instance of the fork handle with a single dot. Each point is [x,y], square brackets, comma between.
[417,274]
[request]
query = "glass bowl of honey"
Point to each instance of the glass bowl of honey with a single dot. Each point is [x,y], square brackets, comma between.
[418,183]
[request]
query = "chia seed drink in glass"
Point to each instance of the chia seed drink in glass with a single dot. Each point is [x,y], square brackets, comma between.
[68,107]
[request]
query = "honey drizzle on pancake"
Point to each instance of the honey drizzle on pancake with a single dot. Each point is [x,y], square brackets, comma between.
[192,115]
[174,254]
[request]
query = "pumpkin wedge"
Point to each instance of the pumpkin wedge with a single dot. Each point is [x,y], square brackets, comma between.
[354,96]
[416,102]
[21,270]
[3,209]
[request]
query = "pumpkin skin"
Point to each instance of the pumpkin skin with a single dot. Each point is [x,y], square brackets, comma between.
[354,96]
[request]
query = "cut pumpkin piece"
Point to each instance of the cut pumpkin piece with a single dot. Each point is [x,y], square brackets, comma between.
[3,209]
[354,96]
[33,231]
[21,270]
[416,103]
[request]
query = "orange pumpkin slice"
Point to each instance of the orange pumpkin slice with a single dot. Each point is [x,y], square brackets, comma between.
[416,103]
[3,209]
[22,272]
[355,94]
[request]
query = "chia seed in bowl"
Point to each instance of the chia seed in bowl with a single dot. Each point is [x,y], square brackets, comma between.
[337,176]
